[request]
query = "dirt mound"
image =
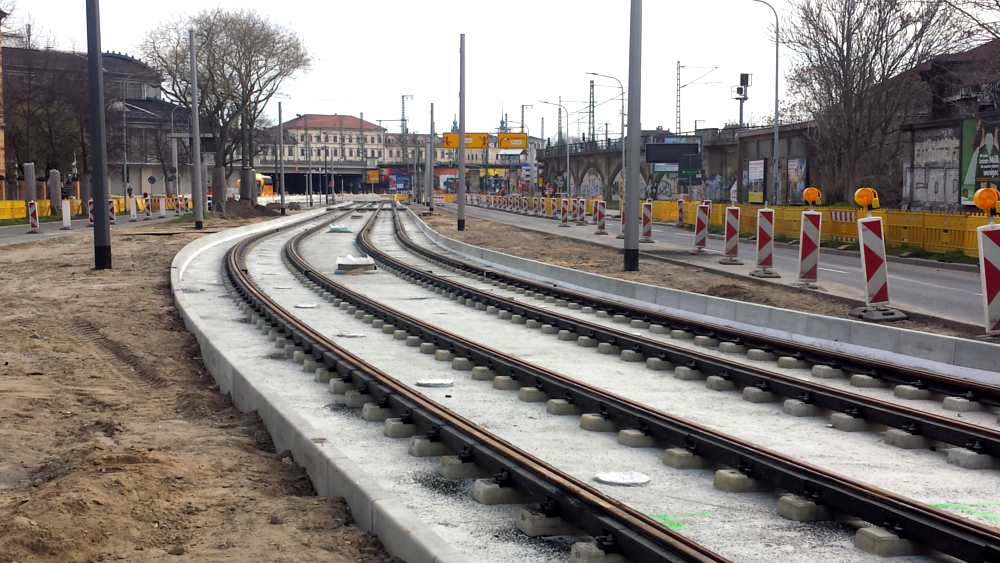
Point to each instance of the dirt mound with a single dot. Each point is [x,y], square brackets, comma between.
[247,210]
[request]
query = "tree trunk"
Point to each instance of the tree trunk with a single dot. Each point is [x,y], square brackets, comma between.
[86,189]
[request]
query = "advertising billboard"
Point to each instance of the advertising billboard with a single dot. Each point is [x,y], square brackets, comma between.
[796,179]
[755,175]
[980,156]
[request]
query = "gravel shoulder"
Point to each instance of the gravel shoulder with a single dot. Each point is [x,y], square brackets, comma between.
[115,444]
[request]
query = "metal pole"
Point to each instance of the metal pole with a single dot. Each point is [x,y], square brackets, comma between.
[632,177]
[173,161]
[623,123]
[461,133]
[196,195]
[777,184]
[308,161]
[98,139]
[429,173]
[124,144]
[281,159]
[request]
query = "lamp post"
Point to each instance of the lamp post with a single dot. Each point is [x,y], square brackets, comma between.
[776,76]
[567,143]
[173,155]
[623,118]
[632,174]
[281,158]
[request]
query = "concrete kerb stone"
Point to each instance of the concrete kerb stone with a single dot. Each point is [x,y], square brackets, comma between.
[944,354]
[331,472]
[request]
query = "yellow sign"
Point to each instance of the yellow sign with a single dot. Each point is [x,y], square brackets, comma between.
[372,176]
[512,140]
[755,197]
[472,141]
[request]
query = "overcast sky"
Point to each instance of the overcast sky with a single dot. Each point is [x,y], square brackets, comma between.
[368,53]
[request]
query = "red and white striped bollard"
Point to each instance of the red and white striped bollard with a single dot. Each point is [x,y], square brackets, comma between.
[873,263]
[700,229]
[989,266]
[765,244]
[600,208]
[809,240]
[148,202]
[731,250]
[90,213]
[33,217]
[111,211]
[564,213]
[647,222]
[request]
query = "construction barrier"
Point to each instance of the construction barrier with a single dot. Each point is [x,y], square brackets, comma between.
[564,213]
[33,217]
[809,246]
[163,208]
[133,213]
[765,241]
[600,209]
[680,211]
[621,217]
[989,267]
[149,208]
[90,212]
[177,206]
[701,228]
[731,249]
[647,222]
[872,239]
[111,211]
[67,216]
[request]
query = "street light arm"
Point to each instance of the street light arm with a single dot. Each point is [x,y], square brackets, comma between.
[777,77]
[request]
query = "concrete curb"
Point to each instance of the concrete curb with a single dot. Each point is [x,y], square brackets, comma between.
[967,359]
[332,473]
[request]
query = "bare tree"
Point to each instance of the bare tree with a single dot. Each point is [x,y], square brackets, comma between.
[243,59]
[852,75]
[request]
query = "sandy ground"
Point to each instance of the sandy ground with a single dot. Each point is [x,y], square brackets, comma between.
[115,444]
[561,251]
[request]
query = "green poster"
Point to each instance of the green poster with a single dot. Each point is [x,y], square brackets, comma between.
[980,156]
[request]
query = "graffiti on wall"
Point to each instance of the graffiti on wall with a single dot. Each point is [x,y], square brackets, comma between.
[592,185]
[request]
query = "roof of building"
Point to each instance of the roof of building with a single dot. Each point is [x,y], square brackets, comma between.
[319,121]
[115,64]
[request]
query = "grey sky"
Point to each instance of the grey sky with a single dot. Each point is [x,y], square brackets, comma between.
[369,53]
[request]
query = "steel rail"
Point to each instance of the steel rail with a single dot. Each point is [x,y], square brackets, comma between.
[986,393]
[921,523]
[617,527]
[979,439]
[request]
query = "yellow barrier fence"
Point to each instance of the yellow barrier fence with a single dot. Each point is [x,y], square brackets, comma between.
[17,209]
[931,231]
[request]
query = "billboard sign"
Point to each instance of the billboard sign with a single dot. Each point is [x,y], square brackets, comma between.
[661,153]
[980,163]
[664,167]
[796,180]
[755,174]
[371,176]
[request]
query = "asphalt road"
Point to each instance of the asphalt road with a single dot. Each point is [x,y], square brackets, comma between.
[948,294]
[16,234]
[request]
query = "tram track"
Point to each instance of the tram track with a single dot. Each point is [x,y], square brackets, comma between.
[906,518]
[618,528]
[849,408]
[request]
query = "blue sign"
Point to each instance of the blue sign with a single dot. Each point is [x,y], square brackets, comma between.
[402,182]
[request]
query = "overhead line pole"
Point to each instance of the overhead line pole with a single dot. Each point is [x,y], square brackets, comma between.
[631,254]
[776,77]
[98,139]
[461,133]
[196,192]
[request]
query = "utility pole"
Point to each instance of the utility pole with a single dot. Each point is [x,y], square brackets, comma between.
[522,114]
[632,177]
[405,133]
[460,193]
[677,101]
[98,139]
[590,120]
[281,159]
[559,124]
[196,195]
[429,173]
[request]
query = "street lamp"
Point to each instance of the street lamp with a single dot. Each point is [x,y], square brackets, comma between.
[567,141]
[776,76]
[623,118]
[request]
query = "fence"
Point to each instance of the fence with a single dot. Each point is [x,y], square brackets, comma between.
[17,209]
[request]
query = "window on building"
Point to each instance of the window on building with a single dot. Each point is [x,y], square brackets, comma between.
[302,151]
[350,152]
[379,138]
[397,154]
[302,138]
[334,152]
[350,139]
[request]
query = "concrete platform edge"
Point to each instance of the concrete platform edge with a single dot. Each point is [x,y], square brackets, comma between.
[956,357]
[331,472]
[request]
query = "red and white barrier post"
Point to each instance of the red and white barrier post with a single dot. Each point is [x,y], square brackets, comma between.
[871,236]
[988,199]
[809,240]
[680,211]
[33,217]
[701,229]
[765,244]
[149,207]
[731,250]
[524,204]
[90,213]
[600,207]
[111,211]
[163,208]
[581,211]
[177,206]
[564,213]
[133,210]
[647,222]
